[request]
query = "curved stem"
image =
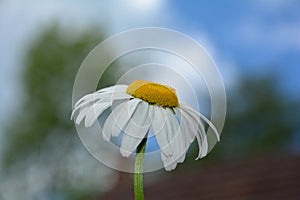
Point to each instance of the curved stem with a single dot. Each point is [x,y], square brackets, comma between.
[138,170]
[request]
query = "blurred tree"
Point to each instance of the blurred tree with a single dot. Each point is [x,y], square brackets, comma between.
[41,132]
[259,121]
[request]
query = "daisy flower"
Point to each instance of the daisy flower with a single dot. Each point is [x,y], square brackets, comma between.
[144,106]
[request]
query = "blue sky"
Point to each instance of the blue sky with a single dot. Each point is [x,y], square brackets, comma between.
[245,28]
[258,36]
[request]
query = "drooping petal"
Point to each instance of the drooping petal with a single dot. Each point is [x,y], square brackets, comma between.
[89,98]
[189,129]
[168,162]
[175,142]
[200,135]
[119,117]
[79,108]
[173,133]
[179,148]
[204,142]
[98,107]
[110,127]
[81,115]
[122,117]
[136,129]
[93,98]
[106,93]
[98,98]
[193,118]
[81,103]
[95,111]
[212,126]
[114,89]
[158,117]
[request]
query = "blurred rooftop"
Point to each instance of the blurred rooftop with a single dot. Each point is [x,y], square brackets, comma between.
[269,177]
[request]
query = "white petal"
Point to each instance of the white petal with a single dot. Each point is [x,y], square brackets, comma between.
[84,102]
[181,146]
[119,117]
[211,125]
[95,111]
[102,93]
[169,164]
[108,127]
[123,115]
[99,98]
[105,96]
[77,109]
[158,117]
[178,139]
[136,129]
[188,108]
[161,127]
[119,96]
[113,97]
[193,118]
[87,98]
[203,138]
[115,88]
[189,129]
[81,115]
[175,141]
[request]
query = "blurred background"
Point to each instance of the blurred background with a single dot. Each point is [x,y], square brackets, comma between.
[256,46]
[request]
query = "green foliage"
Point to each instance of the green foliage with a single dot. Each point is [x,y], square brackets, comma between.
[257,120]
[48,80]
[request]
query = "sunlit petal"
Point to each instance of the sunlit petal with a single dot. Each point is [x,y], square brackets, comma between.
[136,129]
[159,128]
[119,117]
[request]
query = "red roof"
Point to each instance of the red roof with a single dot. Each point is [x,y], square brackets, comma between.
[275,177]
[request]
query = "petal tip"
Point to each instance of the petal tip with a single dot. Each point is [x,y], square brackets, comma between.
[107,139]
[77,122]
[125,153]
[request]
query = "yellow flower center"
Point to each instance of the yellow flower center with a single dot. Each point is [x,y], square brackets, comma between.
[153,93]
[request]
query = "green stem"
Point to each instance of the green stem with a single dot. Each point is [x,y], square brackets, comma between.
[138,170]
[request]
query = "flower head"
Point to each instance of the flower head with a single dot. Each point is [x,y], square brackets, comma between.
[153,93]
[139,107]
